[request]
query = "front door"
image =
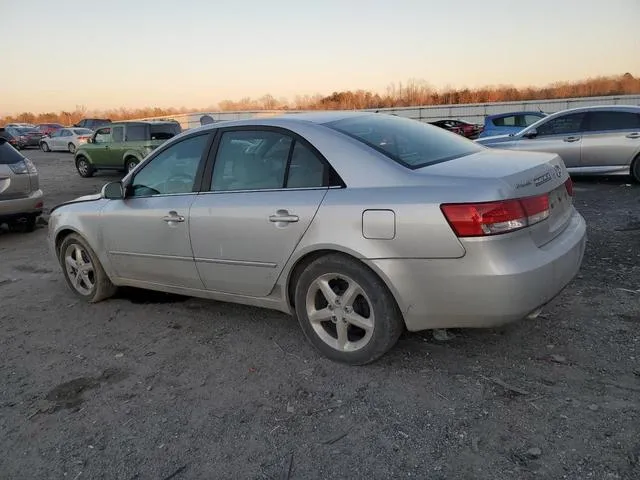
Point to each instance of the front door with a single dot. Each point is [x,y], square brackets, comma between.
[147,234]
[561,135]
[612,140]
[265,189]
[99,148]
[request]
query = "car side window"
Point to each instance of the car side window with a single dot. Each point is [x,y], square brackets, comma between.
[251,160]
[117,133]
[103,135]
[563,125]
[173,171]
[136,133]
[604,121]
[530,120]
[306,170]
[508,121]
[65,133]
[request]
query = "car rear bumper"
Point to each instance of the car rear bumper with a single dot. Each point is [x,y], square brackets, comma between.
[19,207]
[496,282]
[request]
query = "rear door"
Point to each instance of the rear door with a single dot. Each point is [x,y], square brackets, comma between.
[612,139]
[264,190]
[561,135]
[61,141]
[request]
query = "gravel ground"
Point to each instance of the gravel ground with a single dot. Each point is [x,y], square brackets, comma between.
[149,386]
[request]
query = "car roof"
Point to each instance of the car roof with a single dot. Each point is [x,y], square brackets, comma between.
[520,112]
[595,108]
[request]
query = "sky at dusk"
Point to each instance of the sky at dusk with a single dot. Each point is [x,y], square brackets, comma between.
[138,53]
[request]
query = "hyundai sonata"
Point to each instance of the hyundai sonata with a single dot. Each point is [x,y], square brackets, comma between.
[360,224]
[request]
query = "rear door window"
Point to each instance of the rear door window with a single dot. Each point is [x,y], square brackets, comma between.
[136,133]
[604,121]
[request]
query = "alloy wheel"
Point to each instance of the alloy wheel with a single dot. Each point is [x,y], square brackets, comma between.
[79,269]
[340,312]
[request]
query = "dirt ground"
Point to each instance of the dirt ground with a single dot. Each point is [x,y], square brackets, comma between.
[149,386]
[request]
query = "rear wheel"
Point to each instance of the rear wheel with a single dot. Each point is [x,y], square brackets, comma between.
[635,169]
[26,224]
[45,147]
[71,147]
[85,169]
[130,164]
[346,311]
[83,271]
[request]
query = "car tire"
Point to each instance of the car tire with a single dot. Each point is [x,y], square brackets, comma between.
[360,323]
[27,225]
[635,169]
[85,169]
[83,271]
[130,163]
[71,147]
[44,146]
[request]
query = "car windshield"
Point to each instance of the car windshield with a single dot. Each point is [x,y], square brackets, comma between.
[164,131]
[409,142]
[82,131]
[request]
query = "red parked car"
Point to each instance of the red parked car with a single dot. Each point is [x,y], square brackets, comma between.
[48,128]
[466,129]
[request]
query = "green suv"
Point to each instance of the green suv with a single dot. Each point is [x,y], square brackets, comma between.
[122,145]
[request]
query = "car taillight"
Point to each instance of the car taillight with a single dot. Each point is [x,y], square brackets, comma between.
[569,186]
[492,218]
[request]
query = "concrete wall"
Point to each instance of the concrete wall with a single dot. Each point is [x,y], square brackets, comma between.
[473,112]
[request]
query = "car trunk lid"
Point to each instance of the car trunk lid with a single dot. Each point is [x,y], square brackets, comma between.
[520,175]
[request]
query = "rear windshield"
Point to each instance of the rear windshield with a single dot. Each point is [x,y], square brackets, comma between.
[8,154]
[164,131]
[409,142]
[82,131]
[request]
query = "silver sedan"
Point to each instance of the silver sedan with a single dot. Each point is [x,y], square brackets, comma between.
[591,140]
[359,224]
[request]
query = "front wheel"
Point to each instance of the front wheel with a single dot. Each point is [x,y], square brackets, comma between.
[346,311]
[131,163]
[45,147]
[85,169]
[83,271]
[72,148]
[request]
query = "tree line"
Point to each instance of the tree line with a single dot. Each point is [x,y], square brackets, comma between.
[412,93]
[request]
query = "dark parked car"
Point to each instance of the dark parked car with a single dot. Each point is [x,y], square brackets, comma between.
[92,123]
[48,128]
[466,129]
[20,137]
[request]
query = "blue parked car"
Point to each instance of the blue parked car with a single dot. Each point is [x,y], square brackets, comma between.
[506,123]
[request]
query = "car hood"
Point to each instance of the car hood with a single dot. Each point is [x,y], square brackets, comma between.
[85,198]
[495,139]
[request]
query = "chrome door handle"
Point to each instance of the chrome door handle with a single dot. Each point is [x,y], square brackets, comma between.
[571,139]
[633,135]
[283,216]
[173,217]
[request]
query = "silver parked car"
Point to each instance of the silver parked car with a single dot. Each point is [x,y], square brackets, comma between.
[21,200]
[591,140]
[359,224]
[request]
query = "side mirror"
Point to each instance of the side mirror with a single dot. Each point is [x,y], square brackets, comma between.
[533,133]
[113,191]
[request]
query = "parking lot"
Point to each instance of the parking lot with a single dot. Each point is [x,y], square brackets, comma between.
[154,386]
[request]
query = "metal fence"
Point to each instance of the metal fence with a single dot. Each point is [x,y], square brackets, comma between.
[472,112]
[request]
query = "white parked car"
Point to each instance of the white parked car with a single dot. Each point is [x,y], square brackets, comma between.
[65,139]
